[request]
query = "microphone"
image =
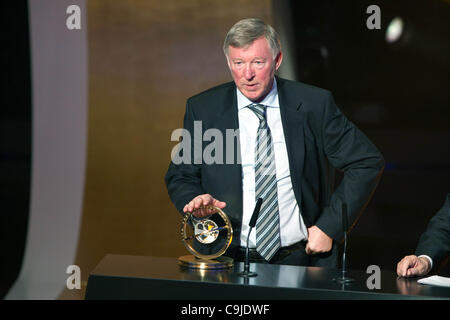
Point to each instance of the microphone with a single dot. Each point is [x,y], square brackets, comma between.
[252,224]
[343,278]
[255,214]
[344,218]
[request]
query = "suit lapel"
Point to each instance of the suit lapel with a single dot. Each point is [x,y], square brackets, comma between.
[292,119]
[227,112]
[227,115]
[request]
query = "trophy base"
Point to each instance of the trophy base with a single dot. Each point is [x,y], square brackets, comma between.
[193,262]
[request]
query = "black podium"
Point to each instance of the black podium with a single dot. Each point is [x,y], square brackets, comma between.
[136,277]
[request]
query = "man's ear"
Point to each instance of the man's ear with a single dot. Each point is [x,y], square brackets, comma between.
[278,60]
[228,62]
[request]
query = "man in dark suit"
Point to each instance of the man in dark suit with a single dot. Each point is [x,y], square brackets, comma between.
[304,137]
[433,247]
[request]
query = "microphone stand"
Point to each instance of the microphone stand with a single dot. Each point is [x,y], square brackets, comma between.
[344,279]
[246,273]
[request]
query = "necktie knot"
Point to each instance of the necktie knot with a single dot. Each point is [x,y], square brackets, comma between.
[259,110]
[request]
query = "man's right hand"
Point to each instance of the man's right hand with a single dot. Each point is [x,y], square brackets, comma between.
[203,200]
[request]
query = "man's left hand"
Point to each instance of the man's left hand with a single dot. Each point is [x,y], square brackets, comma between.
[318,241]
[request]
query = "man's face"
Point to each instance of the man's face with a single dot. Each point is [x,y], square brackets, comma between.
[253,68]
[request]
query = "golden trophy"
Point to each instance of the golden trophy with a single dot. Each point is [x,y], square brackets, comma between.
[214,230]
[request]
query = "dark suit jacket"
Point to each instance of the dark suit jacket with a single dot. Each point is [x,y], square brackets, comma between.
[318,138]
[435,241]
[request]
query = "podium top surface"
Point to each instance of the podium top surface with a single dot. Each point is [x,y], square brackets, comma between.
[277,278]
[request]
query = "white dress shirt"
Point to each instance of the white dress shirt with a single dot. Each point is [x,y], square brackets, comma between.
[292,226]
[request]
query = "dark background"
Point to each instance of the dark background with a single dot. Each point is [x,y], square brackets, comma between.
[398,94]
[15,140]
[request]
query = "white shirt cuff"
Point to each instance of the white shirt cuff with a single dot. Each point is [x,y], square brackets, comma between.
[429,259]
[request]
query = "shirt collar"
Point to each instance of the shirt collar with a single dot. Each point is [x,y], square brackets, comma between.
[270,100]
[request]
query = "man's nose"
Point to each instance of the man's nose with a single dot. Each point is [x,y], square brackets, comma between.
[249,73]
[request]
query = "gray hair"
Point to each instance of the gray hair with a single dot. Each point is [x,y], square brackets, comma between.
[244,32]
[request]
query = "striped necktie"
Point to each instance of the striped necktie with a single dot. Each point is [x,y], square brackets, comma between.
[268,224]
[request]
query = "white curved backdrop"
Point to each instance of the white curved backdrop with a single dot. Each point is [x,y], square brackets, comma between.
[59,99]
